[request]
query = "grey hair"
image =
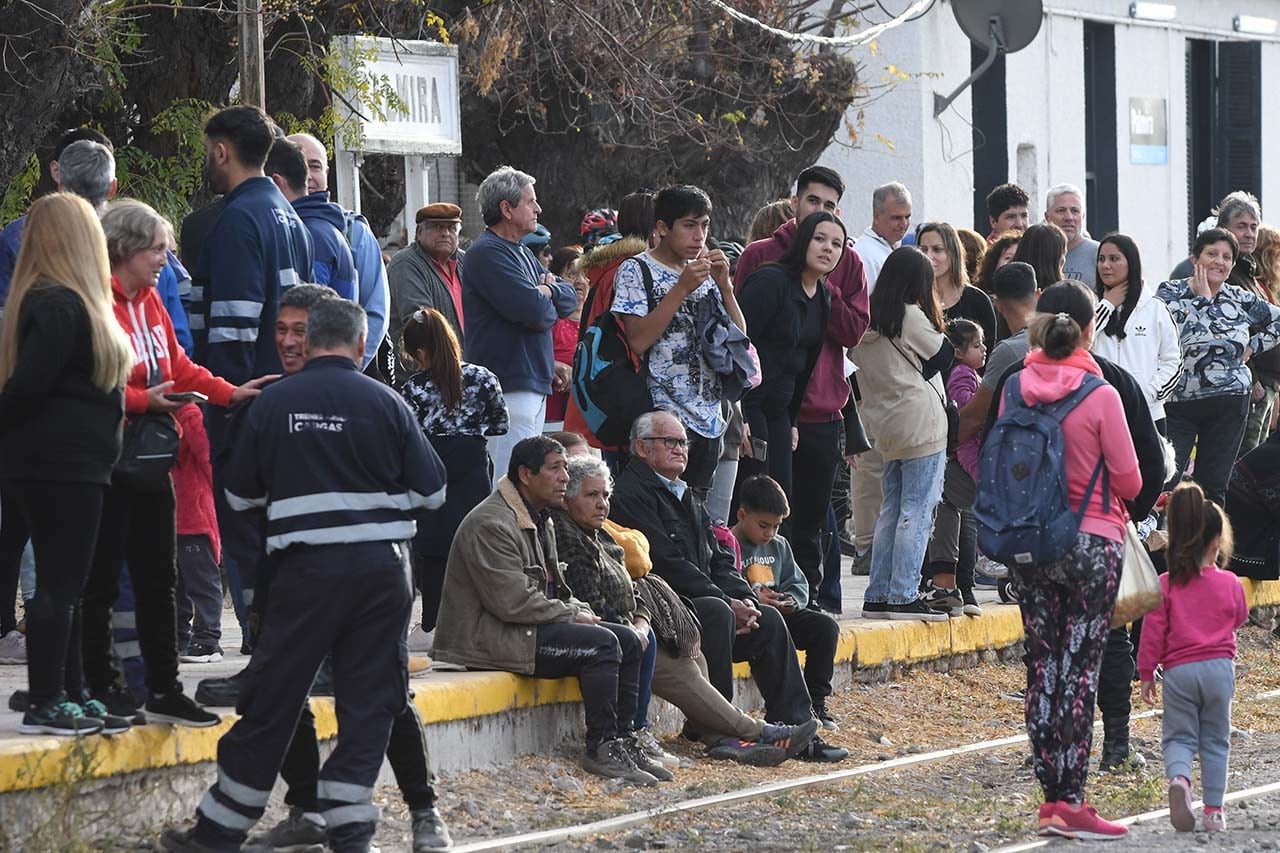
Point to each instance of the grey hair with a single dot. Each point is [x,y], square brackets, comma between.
[1061,189]
[306,296]
[582,467]
[335,324]
[1232,206]
[892,191]
[643,425]
[87,169]
[502,184]
[130,227]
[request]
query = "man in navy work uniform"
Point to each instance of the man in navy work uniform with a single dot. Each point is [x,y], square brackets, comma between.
[341,470]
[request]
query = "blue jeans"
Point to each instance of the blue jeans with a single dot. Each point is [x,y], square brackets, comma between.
[645,692]
[912,489]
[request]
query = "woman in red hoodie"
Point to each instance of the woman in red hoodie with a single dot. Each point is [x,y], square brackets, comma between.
[1067,603]
[139,526]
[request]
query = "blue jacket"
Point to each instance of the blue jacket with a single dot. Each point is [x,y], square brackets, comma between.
[342,452]
[256,249]
[174,280]
[332,264]
[371,278]
[10,242]
[509,319]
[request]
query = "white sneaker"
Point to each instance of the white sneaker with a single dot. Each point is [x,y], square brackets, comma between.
[13,649]
[420,641]
[986,566]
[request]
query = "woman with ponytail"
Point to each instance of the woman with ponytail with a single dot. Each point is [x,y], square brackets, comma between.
[1192,635]
[1067,603]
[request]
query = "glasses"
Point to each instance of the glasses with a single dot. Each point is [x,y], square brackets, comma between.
[671,443]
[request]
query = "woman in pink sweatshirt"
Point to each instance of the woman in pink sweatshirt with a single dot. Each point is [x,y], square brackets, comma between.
[1067,603]
[1193,634]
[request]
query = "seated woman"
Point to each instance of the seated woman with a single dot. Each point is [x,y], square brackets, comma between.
[674,668]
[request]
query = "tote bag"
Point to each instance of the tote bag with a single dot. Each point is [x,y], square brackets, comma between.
[1139,591]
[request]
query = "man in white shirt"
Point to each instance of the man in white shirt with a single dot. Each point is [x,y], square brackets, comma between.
[890,219]
[1064,207]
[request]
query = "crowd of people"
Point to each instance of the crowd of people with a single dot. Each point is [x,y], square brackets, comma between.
[634,460]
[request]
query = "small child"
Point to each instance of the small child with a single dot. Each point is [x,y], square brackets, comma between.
[1192,634]
[770,568]
[947,589]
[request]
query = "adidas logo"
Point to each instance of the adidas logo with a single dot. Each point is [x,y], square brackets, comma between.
[1139,330]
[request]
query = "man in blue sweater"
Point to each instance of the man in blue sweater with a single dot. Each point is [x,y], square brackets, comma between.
[257,248]
[371,273]
[511,303]
[331,261]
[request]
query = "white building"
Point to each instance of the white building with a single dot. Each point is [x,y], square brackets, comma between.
[1082,104]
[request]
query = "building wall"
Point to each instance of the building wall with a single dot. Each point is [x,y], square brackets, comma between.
[1046,118]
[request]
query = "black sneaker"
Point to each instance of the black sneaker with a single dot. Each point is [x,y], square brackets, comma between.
[971,606]
[429,831]
[612,760]
[18,701]
[824,716]
[201,653]
[186,841]
[221,692]
[875,610]
[179,709]
[119,703]
[296,831]
[914,610]
[749,752]
[111,724]
[643,761]
[58,717]
[794,739]
[820,750]
[943,599]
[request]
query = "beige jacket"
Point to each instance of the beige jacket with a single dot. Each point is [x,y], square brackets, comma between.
[904,414]
[494,598]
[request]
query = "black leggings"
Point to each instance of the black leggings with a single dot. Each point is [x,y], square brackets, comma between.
[63,519]
[138,529]
[13,541]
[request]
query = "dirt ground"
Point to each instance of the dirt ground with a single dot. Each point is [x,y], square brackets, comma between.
[973,802]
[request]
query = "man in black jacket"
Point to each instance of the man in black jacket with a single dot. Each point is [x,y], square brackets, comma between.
[1115,678]
[651,497]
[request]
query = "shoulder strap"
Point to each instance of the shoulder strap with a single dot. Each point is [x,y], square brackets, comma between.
[1013,392]
[942,398]
[1061,408]
[647,275]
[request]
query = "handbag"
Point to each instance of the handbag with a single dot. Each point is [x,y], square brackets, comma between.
[151,440]
[949,407]
[1139,590]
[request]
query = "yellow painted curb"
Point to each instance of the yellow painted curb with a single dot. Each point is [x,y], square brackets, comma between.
[27,763]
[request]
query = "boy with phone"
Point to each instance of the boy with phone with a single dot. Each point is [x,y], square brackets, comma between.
[770,568]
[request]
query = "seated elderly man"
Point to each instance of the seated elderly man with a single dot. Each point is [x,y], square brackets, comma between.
[651,498]
[506,606]
[599,572]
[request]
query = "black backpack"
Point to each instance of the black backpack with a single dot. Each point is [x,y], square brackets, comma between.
[606,386]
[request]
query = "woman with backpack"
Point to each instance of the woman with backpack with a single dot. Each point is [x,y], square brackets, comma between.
[1067,602]
[788,302]
[901,360]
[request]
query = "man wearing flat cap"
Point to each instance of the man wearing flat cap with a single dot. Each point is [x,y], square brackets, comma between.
[424,274]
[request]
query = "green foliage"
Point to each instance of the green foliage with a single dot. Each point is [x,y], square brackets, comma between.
[18,195]
[167,183]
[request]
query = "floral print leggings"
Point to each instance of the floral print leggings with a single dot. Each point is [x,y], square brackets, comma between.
[1066,615]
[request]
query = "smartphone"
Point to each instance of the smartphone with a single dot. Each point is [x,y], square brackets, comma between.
[187,397]
[759,449]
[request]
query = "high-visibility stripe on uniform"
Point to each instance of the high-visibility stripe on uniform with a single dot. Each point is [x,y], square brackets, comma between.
[392,531]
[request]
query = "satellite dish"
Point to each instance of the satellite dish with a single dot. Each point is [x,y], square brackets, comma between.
[1000,26]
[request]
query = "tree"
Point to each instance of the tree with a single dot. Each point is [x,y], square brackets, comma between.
[596,98]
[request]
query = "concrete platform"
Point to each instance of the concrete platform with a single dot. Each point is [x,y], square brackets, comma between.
[474,719]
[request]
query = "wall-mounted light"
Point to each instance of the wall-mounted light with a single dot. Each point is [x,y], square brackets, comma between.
[1255,25]
[1153,11]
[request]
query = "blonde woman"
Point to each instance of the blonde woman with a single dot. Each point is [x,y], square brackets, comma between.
[956,296]
[768,219]
[63,363]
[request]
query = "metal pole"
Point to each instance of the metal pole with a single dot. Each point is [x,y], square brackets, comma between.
[253,87]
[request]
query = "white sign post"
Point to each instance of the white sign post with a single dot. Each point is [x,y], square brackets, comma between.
[428,123]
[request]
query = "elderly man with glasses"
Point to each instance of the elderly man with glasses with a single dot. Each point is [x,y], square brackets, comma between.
[424,274]
[651,497]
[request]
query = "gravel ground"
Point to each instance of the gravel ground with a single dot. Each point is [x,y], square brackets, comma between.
[973,802]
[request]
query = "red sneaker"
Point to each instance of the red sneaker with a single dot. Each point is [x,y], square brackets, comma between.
[1083,822]
[1050,823]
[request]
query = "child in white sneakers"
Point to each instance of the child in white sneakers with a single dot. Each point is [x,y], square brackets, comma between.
[1193,636]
